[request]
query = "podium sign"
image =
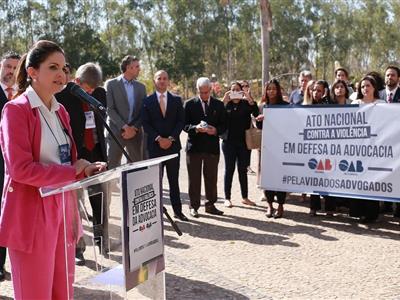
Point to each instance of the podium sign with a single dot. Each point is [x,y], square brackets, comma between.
[127,246]
[143,230]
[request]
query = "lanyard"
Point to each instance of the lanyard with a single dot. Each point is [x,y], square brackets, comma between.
[66,140]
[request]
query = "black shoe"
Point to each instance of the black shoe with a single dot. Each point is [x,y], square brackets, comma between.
[270,213]
[79,259]
[181,217]
[2,274]
[367,220]
[213,210]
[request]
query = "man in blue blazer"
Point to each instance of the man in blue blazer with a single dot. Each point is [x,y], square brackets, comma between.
[163,120]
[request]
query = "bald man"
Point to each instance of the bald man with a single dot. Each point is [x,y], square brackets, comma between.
[163,119]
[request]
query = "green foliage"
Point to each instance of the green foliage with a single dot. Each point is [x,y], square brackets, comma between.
[204,37]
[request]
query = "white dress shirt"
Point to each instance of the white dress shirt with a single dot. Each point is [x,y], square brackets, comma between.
[50,138]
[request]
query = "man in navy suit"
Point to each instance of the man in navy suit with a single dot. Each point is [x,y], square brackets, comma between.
[163,119]
[8,65]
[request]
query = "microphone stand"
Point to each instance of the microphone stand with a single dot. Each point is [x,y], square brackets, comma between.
[99,109]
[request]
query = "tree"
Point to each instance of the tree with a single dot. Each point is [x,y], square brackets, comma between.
[266,27]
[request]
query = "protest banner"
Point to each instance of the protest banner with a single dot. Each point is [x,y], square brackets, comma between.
[349,151]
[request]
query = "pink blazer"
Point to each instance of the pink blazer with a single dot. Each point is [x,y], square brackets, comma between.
[20,135]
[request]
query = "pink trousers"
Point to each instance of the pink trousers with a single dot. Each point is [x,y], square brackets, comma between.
[42,274]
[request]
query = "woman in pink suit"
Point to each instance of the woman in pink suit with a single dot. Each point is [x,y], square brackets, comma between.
[38,150]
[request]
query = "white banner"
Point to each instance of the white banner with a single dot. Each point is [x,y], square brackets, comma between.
[351,151]
[144,216]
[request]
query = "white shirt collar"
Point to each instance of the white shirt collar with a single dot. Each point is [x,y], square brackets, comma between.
[4,87]
[158,95]
[208,100]
[35,100]
[391,91]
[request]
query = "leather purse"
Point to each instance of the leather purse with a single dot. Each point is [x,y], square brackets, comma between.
[253,137]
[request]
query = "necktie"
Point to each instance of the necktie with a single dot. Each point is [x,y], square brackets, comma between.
[162,104]
[390,99]
[205,107]
[88,135]
[10,93]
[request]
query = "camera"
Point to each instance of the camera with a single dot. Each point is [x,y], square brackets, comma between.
[236,95]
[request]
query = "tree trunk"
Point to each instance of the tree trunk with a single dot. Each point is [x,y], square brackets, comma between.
[266,27]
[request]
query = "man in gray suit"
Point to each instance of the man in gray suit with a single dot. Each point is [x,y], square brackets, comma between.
[124,103]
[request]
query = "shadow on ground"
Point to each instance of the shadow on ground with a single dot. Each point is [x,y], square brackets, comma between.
[82,293]
[279,233]
[184,288]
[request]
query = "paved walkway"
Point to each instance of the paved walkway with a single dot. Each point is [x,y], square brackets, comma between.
[244,255]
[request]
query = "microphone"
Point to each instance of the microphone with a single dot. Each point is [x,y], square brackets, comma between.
[77,91]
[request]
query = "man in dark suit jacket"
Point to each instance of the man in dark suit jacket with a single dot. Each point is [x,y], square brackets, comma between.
[204,122]
[8,65]
[88,133]
[163,119]
[391,93]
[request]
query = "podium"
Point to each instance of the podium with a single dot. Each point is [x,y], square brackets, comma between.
[125,242]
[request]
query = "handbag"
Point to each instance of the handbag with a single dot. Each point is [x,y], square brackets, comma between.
[253,137]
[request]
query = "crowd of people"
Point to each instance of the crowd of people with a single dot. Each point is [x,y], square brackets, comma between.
[44,143]
[372,88]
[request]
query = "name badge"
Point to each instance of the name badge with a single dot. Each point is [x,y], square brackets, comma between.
[65,154]
[90,122]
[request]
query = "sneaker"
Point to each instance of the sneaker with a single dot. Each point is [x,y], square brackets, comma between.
[250,171]
[228,203]
[248,202]
[194,213]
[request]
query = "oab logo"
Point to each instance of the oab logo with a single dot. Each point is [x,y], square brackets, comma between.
[321,165]
[351,166]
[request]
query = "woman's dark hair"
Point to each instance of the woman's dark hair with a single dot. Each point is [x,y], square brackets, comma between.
[343,70]
[238,84]
[380,82]
[326,99]
[36,55]
[279,98]
[333,96]
[371,79]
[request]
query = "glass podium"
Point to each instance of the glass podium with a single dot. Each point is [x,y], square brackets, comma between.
[122,234]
